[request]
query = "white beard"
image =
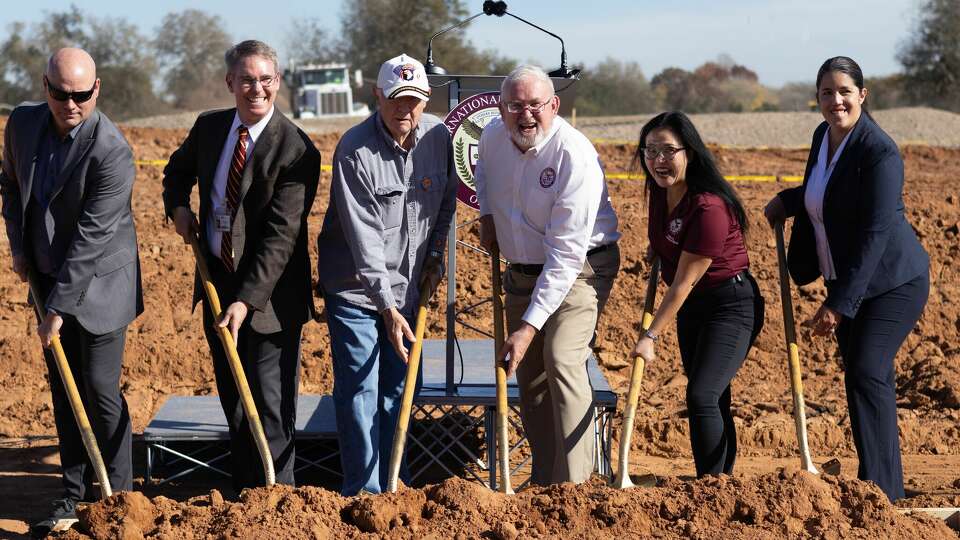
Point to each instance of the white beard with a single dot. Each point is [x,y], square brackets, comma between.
[524,141]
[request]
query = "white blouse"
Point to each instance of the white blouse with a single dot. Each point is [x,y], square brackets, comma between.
[813,201]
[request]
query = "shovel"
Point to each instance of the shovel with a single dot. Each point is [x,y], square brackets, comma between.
[76,404]
[503,440]
[409,386]
[233,359]
[623,480]
[790,333]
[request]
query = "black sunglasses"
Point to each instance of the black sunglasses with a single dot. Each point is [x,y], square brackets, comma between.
[62,95]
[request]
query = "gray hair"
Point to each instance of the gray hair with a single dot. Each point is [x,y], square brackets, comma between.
[250,47]
[523,72]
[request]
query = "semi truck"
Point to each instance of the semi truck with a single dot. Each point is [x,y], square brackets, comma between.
[323,91]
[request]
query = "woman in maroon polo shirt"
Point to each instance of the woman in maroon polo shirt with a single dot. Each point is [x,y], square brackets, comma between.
[696,226]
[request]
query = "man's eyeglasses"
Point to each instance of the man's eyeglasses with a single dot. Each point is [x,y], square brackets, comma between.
[652,152]
[249,82]
[515,107]
[63,95]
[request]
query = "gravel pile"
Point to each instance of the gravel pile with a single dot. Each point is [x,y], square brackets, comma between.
[914,125]
[745,130]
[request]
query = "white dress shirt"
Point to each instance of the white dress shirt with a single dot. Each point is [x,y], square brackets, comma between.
[217,198]
[549,204]
[813,201]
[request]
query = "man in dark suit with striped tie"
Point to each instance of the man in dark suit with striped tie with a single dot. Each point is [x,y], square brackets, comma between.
[257,175]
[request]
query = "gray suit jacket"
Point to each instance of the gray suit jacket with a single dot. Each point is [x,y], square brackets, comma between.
[89,218]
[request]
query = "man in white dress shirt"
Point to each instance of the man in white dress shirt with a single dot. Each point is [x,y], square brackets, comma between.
[543,200]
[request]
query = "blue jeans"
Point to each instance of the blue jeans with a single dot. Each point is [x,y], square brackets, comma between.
[368,385]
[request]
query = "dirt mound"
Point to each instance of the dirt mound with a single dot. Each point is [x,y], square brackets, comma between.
[783,504]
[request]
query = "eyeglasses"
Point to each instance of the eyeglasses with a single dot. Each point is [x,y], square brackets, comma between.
[515,107]
[63,95]
[249,82]
[653,152]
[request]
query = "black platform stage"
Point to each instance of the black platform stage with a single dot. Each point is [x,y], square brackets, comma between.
[451,433]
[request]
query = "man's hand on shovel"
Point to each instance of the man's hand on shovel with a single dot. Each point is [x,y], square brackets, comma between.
[515,347]
[397,329]
[233,317]
[49,328]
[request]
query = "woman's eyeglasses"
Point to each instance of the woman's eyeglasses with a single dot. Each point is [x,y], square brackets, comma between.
[653,152]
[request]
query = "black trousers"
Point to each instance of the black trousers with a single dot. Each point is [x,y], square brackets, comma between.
[96,362]
[715,329]
[868,345]
[271,363]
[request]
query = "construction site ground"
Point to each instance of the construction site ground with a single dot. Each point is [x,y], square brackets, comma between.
[768,497]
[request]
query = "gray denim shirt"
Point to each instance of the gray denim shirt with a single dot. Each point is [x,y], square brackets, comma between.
[388,209]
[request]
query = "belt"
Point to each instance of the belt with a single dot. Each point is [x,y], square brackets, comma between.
[536,269]
[739,278]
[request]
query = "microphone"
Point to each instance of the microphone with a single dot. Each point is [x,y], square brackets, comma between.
[429,66]
[499,8]
[561,72]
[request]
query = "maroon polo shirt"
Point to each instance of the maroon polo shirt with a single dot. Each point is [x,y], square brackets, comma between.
[701,224]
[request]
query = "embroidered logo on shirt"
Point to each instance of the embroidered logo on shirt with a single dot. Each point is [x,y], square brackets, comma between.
[673,229]
[548,177]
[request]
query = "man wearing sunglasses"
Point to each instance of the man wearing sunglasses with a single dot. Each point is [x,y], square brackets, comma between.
[66,183]
[543,200]
[257,174]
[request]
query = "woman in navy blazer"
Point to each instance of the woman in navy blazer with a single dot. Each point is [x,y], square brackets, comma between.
[849,226]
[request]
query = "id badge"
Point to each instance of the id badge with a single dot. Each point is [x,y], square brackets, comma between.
[222,219]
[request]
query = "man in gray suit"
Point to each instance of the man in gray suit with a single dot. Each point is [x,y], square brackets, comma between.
[66,184]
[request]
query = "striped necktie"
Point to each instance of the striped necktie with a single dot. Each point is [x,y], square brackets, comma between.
[233,194]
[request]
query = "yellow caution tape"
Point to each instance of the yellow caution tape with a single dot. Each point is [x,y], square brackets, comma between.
[751,178]
[163,162]
[611,176]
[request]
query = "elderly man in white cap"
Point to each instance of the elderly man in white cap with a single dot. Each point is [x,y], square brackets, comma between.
[391,203]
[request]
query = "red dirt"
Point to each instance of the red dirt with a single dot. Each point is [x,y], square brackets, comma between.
[166,352]
[784,504]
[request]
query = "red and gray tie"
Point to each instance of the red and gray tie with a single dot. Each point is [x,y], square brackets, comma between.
[233,194]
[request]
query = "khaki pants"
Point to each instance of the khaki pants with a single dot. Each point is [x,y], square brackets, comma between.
[556,398]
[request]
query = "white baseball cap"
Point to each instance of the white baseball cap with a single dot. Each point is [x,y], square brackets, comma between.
[403,76]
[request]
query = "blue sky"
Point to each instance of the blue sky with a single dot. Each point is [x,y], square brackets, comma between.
[782,40]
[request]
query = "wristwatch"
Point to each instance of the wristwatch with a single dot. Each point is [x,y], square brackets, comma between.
[653,336]
[435,253]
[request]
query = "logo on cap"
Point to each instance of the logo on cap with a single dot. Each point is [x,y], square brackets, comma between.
[548,177]
[405,71]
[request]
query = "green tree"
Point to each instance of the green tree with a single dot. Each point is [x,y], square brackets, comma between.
[124,62]
[190,46]
[931,55]
[376,30]
[613,87]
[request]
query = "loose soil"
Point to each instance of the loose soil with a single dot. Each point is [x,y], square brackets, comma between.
[166,354]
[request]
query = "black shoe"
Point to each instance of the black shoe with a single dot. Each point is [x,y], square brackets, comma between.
[62,516]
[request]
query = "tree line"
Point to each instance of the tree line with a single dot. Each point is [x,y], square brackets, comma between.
[180,65]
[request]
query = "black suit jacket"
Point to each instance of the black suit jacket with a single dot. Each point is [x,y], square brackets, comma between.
[88,218]
[277,189]
[874,248]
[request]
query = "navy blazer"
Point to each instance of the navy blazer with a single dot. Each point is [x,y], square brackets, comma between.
[873,246]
